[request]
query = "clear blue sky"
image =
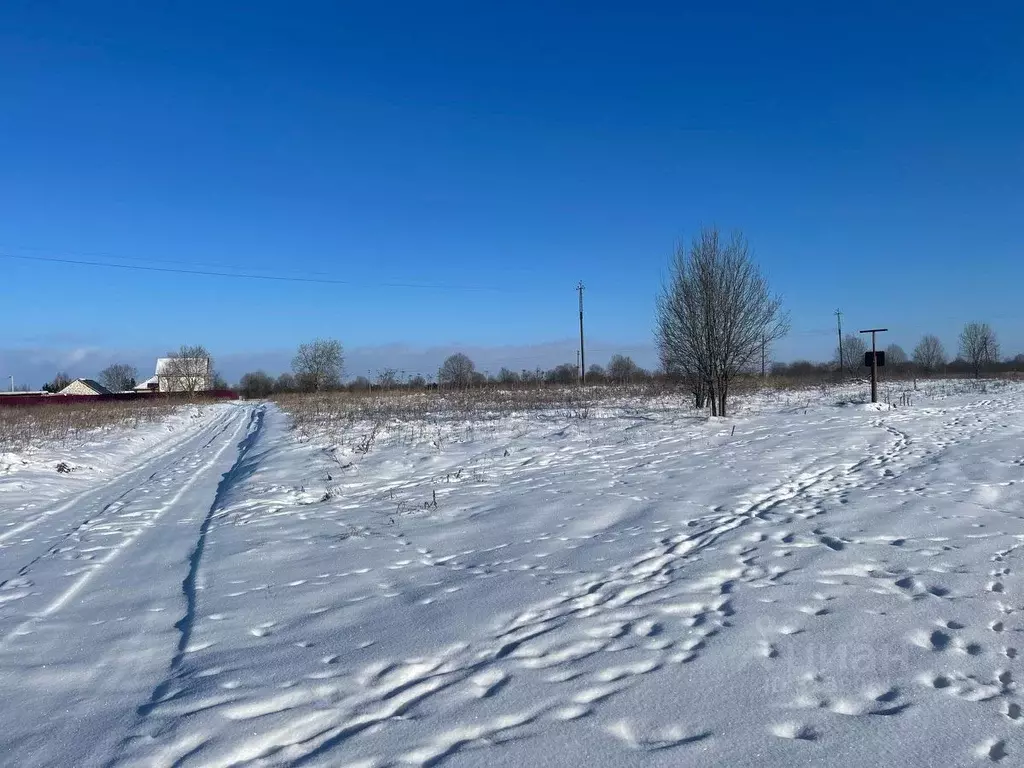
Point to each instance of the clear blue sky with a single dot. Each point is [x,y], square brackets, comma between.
[872,152]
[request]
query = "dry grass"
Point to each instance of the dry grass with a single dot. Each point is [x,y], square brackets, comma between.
[361,419]
[358,421]
[66,424]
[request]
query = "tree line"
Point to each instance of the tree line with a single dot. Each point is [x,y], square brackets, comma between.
[318,366]
[977,353]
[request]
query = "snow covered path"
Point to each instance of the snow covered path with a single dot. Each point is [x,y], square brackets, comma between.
[98,596]
[822,585]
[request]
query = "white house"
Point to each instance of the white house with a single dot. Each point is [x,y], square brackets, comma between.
[184,374]
[84,387]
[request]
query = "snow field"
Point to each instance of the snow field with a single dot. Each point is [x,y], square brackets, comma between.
[821,585]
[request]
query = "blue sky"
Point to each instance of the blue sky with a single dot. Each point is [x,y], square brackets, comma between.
[872,153]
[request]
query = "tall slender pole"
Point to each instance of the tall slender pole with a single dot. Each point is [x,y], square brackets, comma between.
[874,370]
[839,327]
[583,361]
[763,343]
[874,362]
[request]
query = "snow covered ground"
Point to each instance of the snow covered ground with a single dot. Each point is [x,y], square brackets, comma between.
[803,584]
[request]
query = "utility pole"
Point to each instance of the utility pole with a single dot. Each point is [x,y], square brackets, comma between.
[583,361]
[12,383]
[874,362]
[839,325]
[764,342]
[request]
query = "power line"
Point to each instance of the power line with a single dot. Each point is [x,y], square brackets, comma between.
[117,257]
[251,276]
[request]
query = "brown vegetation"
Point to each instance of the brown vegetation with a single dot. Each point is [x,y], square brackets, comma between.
[65,423]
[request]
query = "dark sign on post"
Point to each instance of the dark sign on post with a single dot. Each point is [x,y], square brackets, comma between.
[879,359]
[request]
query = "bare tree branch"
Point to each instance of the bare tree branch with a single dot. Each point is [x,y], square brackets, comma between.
[978,346]
[715,314]
[854,348]
[188,370]
[929,354]
[456,371]
[318,365]
[119,377]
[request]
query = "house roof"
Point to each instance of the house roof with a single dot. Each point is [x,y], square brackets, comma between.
[151,381]
[92,384]
[197,365]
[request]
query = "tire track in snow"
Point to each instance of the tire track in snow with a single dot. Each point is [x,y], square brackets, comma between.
[82,581]
[188,586]
[54,546]
[223,421]
[86,659]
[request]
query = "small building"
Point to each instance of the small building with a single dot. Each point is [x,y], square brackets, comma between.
[85,387]
[152,384]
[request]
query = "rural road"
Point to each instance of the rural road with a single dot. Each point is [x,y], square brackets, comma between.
[98,593]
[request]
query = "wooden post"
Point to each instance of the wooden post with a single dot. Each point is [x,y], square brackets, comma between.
[874,362]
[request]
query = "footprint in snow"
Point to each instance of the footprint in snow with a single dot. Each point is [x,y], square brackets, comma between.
[937,640]
[992,749]
[654,739]
[796,731]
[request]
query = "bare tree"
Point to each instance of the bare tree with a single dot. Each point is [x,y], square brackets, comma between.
[318,365]
[929,354]
[60,381]
[360,384]
[566,373]
[853,353]
[188,370]
[255,385]
[622,369]
[508,376]
[978,346]
[895,355]
[533,377]
[456,371]
[285,383]
[596,374]
[387,379]
[714,314]
[119,377]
